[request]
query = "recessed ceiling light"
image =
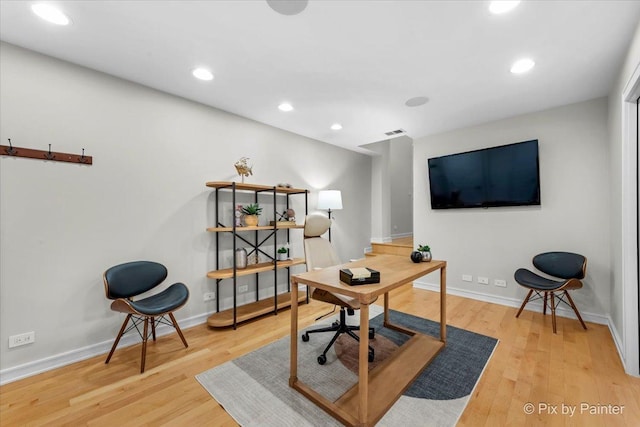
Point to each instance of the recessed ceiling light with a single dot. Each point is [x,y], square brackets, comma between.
[336,126]
[417,101]
[288,7]
[285,107]
[202,74]
[50,14]
[502,6]
[522,66]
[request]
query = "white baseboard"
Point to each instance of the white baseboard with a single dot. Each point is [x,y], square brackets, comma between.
[512,302]
[380,240]
[401,235]
[43,365]
[48,363]
[617,341]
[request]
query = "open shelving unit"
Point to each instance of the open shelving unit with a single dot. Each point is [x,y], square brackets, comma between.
[254,238]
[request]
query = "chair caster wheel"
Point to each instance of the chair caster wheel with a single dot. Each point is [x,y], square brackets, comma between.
[372,333]
[305,337]
[322,359]
[335,324]
[371,355]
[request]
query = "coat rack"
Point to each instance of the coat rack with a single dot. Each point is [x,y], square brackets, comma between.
[54,156]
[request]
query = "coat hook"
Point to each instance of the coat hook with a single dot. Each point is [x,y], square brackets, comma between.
[49,155]
[82,158]
[11,151]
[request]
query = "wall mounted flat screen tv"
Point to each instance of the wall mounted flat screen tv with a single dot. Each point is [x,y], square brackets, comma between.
[507,175]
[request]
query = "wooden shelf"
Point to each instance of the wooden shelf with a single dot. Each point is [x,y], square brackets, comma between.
[255,228]
[252,310]
[227,273]
[232,317]
[255,187]
[393,376]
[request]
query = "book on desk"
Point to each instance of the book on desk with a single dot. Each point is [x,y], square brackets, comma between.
[359,276]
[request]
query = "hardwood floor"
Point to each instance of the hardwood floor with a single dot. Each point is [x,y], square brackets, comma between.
[530,365]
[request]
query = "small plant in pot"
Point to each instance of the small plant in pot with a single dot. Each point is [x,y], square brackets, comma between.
[283,253]
[425,250]
[251,213]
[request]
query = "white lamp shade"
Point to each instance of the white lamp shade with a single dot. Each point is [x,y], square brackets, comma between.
[330,199]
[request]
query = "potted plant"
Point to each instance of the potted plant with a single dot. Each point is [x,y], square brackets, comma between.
[283,253]
[251,213]
[425,250]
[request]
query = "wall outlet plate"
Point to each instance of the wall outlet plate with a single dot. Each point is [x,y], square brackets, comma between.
[467,278]
[483,280]
[501,283]
[243,288]
[208,296]
[22,339]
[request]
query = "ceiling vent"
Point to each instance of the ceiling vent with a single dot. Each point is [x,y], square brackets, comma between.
[396,132]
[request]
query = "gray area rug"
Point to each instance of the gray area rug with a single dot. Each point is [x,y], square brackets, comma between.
[254,389]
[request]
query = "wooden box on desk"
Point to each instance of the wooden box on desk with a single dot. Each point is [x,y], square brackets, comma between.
[356,276]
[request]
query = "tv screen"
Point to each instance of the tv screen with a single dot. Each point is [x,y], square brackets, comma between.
[507,175]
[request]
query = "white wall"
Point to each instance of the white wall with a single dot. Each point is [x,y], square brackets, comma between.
[144,197]
[380,192]
[401,185]
[391,185]
[573,216]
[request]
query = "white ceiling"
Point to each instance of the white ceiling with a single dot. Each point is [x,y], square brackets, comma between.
[352,62]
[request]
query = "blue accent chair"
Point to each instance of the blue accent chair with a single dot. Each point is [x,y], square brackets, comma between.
[123,282]
[569,267]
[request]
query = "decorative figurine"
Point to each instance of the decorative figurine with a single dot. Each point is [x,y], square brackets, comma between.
[288,215]
[243,168]
[291,215]
[238,216]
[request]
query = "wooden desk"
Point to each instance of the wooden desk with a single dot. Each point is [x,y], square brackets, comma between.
[376,391]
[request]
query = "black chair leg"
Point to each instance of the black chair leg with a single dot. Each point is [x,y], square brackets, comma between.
[144,343]
[175,325]
[553,312]
[331,328]
[115,343]
[372,331]
[333,340]
[526,300]
[153,327]
[340,327]
[575,309]
[357,338]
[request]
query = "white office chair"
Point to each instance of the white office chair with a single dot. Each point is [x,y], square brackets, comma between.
[319,254]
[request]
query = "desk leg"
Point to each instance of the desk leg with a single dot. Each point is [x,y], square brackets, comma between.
[363,368]
[386,308]
[293,370]
[443,304]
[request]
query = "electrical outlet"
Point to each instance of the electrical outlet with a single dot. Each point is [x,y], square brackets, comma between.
[22,339]
[501,283]
[483,280]
[209,296]
[243,288]
[467,278]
